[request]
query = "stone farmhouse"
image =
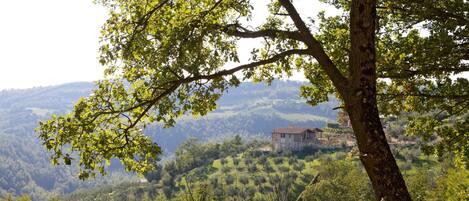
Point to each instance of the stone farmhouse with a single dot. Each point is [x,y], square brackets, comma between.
[294,138]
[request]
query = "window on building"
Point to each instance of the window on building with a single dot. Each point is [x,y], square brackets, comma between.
[282,135]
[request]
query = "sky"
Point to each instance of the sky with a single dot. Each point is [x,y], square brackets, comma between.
[50,42]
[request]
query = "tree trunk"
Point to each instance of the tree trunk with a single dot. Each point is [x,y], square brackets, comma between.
[360,103]
[375,153]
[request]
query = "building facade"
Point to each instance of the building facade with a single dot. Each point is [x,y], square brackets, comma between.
[294,138]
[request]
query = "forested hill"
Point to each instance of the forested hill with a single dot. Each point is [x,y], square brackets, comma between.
[24,165]
[251,110]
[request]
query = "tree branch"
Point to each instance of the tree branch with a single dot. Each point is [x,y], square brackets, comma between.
[143,22]
[316,49]
[432,96]
[235,30]
[249,66]
[150,105]
[176,83]
[407,73]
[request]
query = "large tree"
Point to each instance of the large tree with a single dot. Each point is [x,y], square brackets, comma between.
[166,58]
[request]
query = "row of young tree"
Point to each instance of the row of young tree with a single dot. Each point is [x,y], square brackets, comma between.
[192,154]
[258,175]
[338,176]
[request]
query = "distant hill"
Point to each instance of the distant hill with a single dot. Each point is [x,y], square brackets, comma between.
[251,110]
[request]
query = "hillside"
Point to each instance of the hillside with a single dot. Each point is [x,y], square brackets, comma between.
[252,111]
[24,165]
[205,172]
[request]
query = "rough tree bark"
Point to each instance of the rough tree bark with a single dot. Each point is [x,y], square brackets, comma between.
[361,105]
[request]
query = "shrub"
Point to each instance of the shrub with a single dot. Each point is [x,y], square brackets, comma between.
[229,179]
[257,179]
[268,167]
[340,155]
[225,169]
[232,191]
[214,181]
[287,153]
[292,175]
[167,179]
[292,160]
[243,179]
[262,160]
[223,161]
[240,168]
[250,191]
[309,158]
[318,154]
[278,160]
[284,169]
[252,168]
[306,178]
[266,188]
[247,161]
[235,161]
[297,167]
[219,193]
[274,179]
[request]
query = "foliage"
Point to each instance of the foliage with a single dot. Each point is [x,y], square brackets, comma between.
[25,168]
[452,186]
[448,135]
[425,34]
[192,154]
[421,60]
[173,55]
[340,180]
[339,177]
[247,113]
[10,197]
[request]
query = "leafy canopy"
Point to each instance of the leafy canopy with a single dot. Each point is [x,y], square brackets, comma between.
[422,65]
[167,58]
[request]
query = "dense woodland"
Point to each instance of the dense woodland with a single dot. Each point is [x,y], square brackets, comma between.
[25,167]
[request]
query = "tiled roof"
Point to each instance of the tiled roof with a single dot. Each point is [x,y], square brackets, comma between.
[295,130]
[317,130]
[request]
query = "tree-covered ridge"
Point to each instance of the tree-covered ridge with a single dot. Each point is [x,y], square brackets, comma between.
[24,166]
[252,110]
